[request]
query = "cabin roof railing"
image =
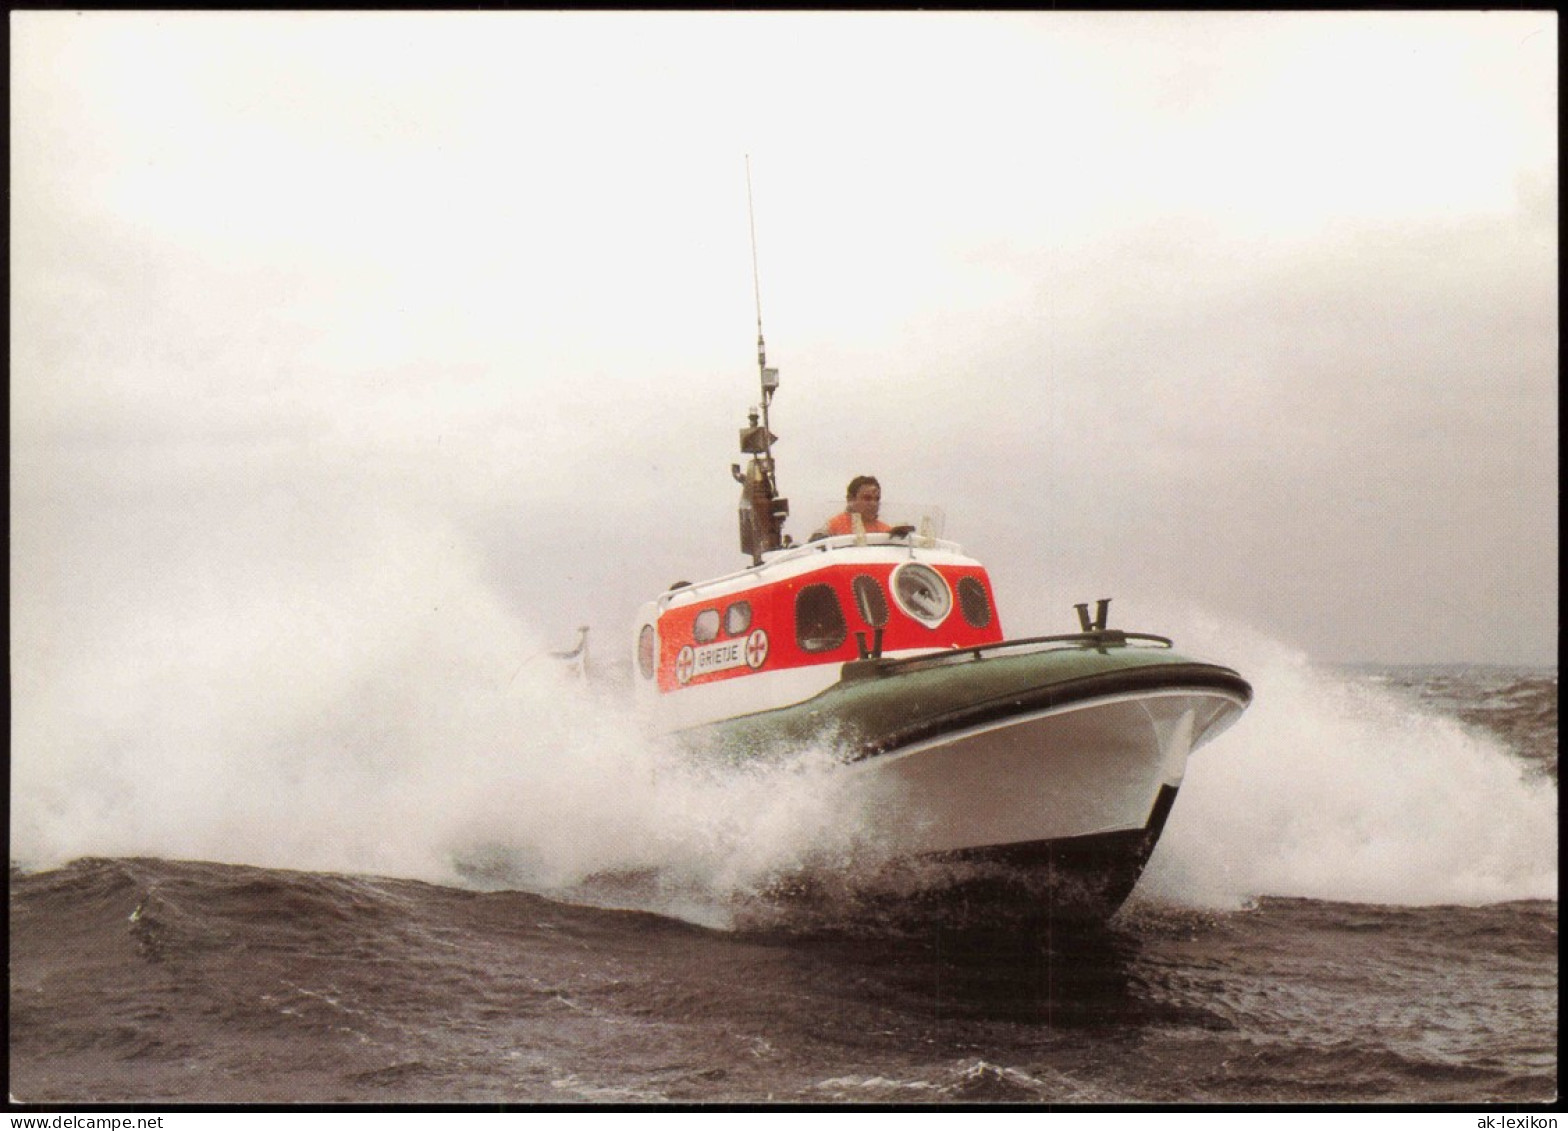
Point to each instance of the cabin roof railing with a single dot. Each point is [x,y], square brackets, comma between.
[912,544]
[843,541]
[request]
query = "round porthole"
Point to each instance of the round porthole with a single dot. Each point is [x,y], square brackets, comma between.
[921,592]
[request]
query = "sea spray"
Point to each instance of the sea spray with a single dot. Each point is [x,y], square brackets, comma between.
[241,686]
[303,683]
[293,679]
[580,801]
[1334,787]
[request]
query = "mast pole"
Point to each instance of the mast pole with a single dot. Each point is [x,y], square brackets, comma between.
[762,512]
[762,349]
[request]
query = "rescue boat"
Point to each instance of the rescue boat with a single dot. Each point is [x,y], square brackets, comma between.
[1038,770]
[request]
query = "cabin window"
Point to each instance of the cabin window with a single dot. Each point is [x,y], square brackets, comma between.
[645,644]
[921,592]
[737,618]
[706,626]
[973,602]
[869,599]
[819,619]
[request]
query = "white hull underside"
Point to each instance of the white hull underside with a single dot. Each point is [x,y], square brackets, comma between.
[1055,775]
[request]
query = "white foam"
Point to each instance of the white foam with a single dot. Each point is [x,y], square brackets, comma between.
[1333,787]
[310,686]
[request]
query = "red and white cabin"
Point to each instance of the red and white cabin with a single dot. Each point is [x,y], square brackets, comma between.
[779,632]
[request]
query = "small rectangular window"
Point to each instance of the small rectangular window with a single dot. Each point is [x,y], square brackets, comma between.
[819,619]
[870,601]
[645,651]
[974,603]
[737,618]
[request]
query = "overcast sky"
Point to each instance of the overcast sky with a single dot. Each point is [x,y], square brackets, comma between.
[1252,313]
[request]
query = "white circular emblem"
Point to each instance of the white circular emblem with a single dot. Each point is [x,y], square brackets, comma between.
[685,663]
[756,649]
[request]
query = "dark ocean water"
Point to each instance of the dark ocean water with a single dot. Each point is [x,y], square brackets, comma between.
[142,980]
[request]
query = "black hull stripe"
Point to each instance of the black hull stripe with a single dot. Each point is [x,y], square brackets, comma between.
[1170,677]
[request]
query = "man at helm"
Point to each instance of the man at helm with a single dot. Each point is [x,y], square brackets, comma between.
[864,498]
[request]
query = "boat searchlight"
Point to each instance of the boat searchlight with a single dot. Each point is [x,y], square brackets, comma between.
[755,440]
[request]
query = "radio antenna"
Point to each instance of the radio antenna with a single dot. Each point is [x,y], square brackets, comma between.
[762,511]
[756,277]
[768,378]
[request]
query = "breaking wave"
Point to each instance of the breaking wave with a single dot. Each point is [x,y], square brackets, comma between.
[372,710]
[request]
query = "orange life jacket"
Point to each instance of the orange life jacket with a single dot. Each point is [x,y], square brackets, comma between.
[841,523]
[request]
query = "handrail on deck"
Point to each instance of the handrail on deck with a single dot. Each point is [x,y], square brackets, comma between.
[1099,640]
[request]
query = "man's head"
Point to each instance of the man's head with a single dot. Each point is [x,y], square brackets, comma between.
[864,497]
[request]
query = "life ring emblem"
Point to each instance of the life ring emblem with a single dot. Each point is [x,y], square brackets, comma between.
[685,664]
[756,649]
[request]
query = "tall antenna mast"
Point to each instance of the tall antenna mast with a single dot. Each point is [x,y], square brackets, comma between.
[769,378]
[762,511]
